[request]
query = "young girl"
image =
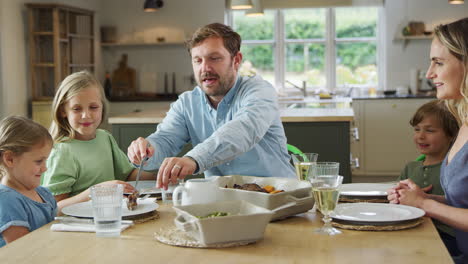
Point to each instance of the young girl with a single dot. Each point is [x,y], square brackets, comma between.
[83,155]
[24,205]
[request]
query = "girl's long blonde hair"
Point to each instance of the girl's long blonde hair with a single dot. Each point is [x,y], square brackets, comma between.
[454,36]
[71,86]
[19,134]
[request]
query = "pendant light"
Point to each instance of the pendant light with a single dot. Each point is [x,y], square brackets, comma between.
[456,2]
[256,10]
[152,5]
[241,4]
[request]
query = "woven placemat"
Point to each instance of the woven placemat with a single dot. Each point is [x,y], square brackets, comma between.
[179,238]
[393,227]
[142,218]
[360,200]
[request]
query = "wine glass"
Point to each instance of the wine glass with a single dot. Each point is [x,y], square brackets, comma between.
[326,194]
[302,163]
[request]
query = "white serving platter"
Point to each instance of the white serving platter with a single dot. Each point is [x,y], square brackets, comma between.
[85,209]
[375,213]
[365,189]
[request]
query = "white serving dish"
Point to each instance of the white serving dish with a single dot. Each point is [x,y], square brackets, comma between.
[296,198]
[246,222]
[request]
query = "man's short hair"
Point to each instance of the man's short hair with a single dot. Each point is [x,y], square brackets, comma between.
[231,40]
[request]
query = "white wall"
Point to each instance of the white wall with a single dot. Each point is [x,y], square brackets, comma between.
[14,50]
[175,22]
[400,59]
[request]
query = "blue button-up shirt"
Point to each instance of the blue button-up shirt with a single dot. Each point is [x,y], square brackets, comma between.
[243,136]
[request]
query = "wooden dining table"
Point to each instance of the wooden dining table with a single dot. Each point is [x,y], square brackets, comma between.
[291,240]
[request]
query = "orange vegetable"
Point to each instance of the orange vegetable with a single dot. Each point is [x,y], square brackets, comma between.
[276,191]
[269,188]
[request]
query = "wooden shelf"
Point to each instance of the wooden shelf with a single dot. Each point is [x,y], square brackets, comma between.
[136,44]
[45,64]
[81,65]
[414,37]
[81,36]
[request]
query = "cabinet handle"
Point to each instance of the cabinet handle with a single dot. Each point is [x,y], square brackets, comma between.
[355,133]
[355,163]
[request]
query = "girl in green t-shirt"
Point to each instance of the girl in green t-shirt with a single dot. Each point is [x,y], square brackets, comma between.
[83,155]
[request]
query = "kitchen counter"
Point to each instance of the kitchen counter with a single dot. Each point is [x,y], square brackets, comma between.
[287,241]
[156,115]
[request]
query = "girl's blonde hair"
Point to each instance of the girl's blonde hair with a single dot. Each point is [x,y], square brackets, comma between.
[18,135]
[71,86]
[454,36]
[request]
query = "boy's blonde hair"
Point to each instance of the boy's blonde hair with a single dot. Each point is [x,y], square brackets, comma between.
[71,86]
[437,109]
[19,134]
[454,36]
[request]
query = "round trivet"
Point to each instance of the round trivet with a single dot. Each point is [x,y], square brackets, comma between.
[142,218]
[393,227]
[179,238]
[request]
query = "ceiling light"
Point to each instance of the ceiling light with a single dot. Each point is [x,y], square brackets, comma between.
[256,10]
[152,5]
[456,2]
[241,4]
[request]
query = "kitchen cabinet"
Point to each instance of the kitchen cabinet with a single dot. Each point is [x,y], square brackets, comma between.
[61,41]
[385,142]
[331,140]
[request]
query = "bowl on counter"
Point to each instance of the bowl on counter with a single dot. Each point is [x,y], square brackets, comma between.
[389,92]
[244,222]
[296,196]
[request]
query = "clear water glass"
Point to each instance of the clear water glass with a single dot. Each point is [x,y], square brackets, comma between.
[324,168]
[326,195]
[106,201]
[302,163]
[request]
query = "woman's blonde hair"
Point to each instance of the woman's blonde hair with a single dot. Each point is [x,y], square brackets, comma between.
[71,86]
[454,36]
[18,135]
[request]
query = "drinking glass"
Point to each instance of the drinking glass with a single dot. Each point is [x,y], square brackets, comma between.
[106,200]
[324,168]
[302,163]
[326,194]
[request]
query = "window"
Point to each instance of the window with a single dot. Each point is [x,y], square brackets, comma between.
[331,48]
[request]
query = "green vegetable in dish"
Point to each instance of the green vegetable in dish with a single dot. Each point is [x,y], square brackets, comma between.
[214,214]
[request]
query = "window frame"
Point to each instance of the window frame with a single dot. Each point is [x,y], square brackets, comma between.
[330,41]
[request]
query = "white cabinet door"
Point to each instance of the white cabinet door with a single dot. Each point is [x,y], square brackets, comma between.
[386,143]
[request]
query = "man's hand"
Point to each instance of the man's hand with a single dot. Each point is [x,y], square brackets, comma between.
[139,149]
[174,168]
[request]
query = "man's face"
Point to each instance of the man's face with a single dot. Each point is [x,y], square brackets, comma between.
[214,68]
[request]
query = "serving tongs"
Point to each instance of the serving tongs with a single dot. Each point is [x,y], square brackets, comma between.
[132,198]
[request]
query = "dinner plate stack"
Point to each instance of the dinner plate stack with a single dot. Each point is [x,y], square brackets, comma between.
[365,192]
[376,216]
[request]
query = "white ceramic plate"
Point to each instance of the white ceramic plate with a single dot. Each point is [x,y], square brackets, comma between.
[365,189]
[85,209]
[376,213]
[148,187]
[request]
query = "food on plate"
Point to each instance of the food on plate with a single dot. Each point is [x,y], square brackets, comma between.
[256,188]
[214,214]
[132,200]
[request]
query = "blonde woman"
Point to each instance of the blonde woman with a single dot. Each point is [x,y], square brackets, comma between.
[448,71]
[83,154]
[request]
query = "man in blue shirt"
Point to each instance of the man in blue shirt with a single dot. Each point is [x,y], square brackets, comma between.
[232,121]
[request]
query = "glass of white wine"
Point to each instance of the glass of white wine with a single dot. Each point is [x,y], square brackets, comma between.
[302,163]
[326,194]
